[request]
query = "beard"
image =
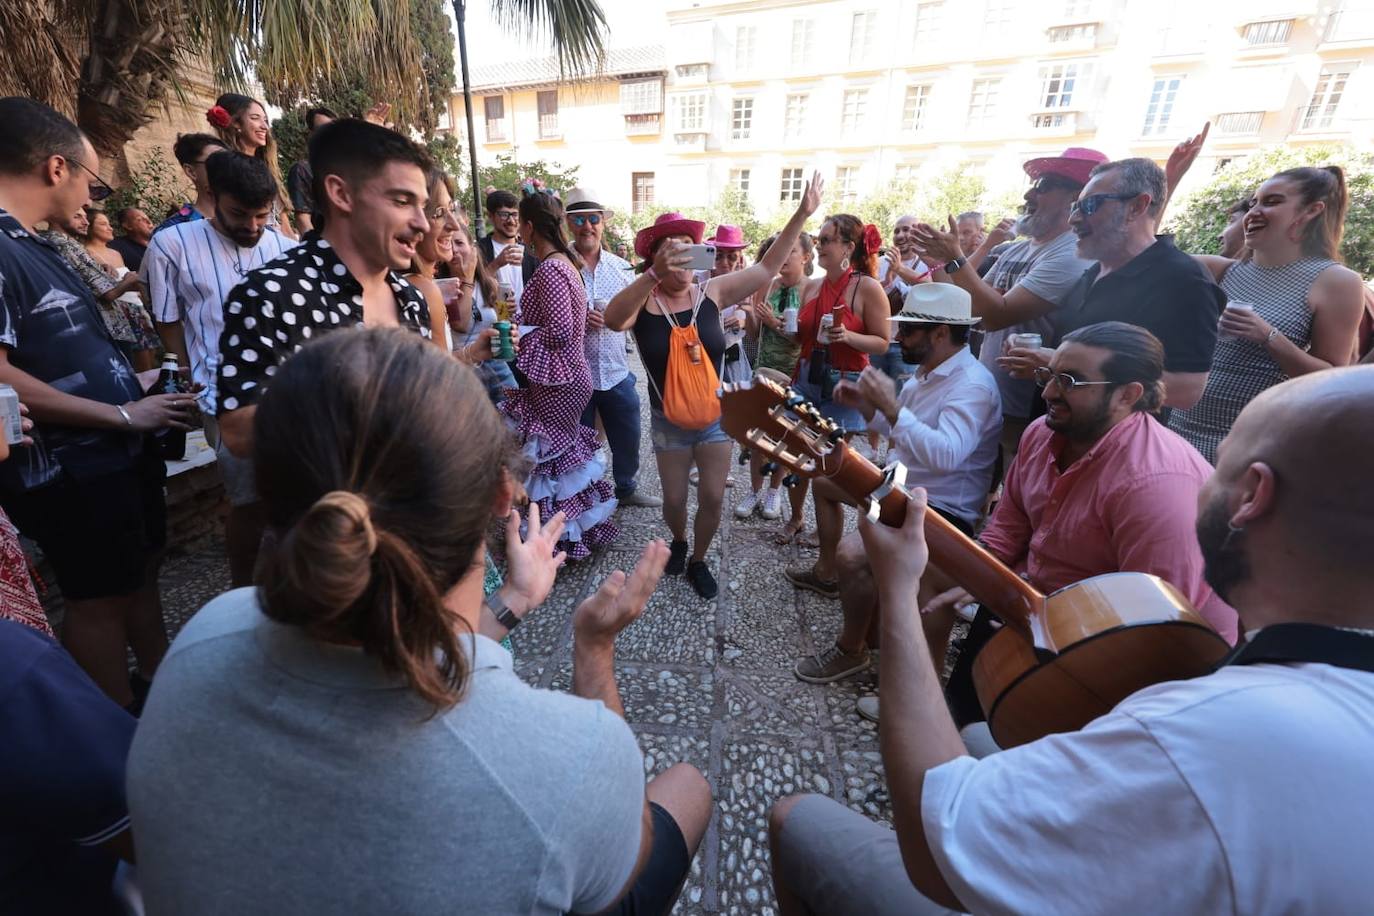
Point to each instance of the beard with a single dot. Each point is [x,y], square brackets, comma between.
[1084,424]
[1224,563]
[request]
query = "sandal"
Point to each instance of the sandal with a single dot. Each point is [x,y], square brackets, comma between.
[792,533]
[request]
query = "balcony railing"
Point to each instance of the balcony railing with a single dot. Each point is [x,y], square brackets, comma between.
[643,125]
[1240,122]
[496,131]
[548,127]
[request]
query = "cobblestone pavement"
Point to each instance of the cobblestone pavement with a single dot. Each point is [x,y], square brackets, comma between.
[709,683]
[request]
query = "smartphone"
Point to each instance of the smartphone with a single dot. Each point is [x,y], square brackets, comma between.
[703,257]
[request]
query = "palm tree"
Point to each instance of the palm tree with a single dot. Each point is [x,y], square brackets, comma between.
[112,63]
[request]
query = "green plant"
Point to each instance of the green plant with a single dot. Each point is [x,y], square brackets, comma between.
[1197,219]
[508,173]
[156,188]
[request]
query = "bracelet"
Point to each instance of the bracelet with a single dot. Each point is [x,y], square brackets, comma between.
[125,414]
[1273,332]
[465,284]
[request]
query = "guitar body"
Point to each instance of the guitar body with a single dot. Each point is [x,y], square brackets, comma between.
[1094,644]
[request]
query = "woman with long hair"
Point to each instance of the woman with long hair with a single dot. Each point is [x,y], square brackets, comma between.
[1292,309]
[472,327]
[241,122]
[566,456]
[666,298]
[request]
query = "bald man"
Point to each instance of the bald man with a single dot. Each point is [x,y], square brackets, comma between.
[1245,791]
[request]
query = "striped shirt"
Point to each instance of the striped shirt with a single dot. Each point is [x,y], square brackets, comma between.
[190,269]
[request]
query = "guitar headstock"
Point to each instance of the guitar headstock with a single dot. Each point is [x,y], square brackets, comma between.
[779,423]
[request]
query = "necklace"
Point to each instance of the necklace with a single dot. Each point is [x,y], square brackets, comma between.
[235,251]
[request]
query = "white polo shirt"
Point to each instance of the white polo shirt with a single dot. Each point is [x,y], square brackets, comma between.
[1249,791]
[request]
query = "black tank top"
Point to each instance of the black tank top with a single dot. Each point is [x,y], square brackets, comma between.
[651,336]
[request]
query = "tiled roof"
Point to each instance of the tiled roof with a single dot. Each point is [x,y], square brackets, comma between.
[544,70]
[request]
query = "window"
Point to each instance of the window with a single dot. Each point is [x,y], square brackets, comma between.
[855,107]
[861,33]
[997,18]
[691,71]
[741,119]
[1240,122]
[792,185]
[847,182]
[641,97]
[794,116]
[1084,32]
[1075,8]
[691,112]
[1048,120]
[641,191]
[495,107]
[803,31]
[1268,32]
[1161,107]
[982,102]
[745,38]
[548,114]
[739,180]
[928,16]
[1057,83]
[1326,98]
[914,108]
[905,173]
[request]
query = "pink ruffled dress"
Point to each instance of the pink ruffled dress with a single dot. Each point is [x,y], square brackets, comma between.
[568,462]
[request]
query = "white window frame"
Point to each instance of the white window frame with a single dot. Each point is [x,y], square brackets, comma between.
[853,111]
[929,18]
[983,101]
[794,115]
[1332,83]
[641,97]
[863,27]
[792,185]
[690,112]
[1159,110]
[741,117]
[638,204]
[915,102]
[803,41]
[740,179]
[997,16]
[746,43]
[1059,81]
[847,183]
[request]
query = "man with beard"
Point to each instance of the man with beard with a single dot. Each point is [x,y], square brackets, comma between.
[1029,279]
[189,269]
[370,187]
[1240,792]
[943,427]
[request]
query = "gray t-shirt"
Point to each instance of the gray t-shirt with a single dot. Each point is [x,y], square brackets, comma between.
[272,773]
[1048,271]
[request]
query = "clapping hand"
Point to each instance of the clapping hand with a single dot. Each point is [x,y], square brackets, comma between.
[850,394]
[1004,231]
[936,246]
[532,562]
[880,391]
[620,600]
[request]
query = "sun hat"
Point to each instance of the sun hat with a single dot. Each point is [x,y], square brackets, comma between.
[937,303]
[667,224]
[585,200]
[730,238]
[1076,164]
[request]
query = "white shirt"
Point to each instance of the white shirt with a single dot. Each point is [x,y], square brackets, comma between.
[948,425]
[1244,792]
[885,267]
[190,269]
[513,275]
[606,348]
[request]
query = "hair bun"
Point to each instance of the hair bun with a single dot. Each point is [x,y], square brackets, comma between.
[353,507]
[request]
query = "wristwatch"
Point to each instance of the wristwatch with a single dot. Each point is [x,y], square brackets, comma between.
[954,265]
[500,611]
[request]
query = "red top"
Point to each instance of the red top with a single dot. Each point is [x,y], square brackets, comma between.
[832,300]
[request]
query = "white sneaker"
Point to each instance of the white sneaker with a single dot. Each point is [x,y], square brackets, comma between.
[747,505]
[868,708]
[772,504]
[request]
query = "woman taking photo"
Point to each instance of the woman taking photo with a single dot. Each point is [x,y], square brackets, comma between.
[665,306]
[356,709]
[242,123]
[1292,308]
[547,415]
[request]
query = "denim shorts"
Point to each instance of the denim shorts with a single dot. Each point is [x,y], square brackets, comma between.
[669,437]
[848,417]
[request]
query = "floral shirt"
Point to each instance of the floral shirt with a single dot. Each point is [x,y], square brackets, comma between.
[97,279]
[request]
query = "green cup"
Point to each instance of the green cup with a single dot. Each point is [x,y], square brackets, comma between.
[505,347]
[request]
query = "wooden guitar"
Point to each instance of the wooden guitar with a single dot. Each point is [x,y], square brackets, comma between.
[1060,660]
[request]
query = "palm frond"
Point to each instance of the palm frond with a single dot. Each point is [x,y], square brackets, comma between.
[576,28]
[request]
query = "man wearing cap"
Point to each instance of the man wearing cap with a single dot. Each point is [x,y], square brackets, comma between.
[614,397]
[1030,278]
[943,427]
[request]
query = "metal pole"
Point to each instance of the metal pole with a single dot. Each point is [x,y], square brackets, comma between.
[460,13]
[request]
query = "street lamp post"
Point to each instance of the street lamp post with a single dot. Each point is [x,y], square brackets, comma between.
[460,13]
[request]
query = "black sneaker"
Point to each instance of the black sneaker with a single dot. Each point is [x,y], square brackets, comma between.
[699,574]
[677,558]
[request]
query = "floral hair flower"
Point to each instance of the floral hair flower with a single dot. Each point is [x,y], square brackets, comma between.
[219,116]
[873,239]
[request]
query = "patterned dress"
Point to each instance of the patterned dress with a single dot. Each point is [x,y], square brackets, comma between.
[567,459]
[1241,368]
[18,600]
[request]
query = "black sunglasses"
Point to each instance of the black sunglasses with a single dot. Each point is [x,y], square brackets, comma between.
[98,189]
[581,219]
[1093,202]
[1054,183]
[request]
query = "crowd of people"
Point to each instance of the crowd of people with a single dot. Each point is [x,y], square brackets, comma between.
[1066,386]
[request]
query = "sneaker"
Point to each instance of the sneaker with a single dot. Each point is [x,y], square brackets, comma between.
[772,504]
[699,574]
[747,505]
[805,577]
[831,665]
[677,558]
[868,708]
[640,500]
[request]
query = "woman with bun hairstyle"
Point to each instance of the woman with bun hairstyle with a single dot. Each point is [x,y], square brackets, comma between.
[350,733]
[241,122]
[1292,307]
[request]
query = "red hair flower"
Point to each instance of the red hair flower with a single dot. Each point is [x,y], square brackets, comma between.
[219,116]
[873,240]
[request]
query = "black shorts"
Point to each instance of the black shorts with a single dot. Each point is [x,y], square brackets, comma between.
[954,520]
[664,872]
[98,533]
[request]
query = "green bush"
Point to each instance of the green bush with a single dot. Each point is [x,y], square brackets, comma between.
[156,187]
[1197,219]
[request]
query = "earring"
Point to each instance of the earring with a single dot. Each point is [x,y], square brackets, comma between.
[1231,532]
[844,265]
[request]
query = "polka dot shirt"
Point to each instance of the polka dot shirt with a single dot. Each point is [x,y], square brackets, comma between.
[285,304]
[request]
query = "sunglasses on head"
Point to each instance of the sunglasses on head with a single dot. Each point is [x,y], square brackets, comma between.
[581,219]
[1093,202]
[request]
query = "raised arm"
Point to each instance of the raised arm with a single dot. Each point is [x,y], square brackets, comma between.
[742,284]
[998,310]
[623,309]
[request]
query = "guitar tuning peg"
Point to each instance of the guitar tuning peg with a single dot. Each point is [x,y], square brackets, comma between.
[794,400]
[836,434]
[768,468]
[744,456]
[790,481]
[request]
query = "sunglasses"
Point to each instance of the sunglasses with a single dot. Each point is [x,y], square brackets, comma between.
[1044,375]
[98,189]
[1053,183]
[1093,202]
[580,220]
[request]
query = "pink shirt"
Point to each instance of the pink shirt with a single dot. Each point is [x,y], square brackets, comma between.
[1128,505]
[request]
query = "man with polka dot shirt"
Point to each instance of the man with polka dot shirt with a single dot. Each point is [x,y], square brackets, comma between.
[370,194]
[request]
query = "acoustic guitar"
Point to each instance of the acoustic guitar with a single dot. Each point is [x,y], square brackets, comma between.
[1060,660]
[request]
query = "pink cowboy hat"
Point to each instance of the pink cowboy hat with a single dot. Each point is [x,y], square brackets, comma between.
[667,224]
[1076,164]
[730,238]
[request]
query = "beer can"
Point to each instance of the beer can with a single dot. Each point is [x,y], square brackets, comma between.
[599,305]
[10,416]
[823,335]
[789,319]
[1027,341]
[503,347]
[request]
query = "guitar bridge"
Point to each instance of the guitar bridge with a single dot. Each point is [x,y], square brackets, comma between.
[894,478]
